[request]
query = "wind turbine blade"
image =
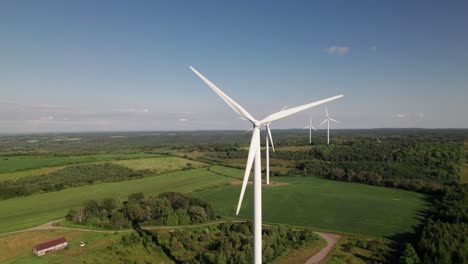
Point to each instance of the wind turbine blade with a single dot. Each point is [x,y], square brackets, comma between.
[235,106]
[271,138]
[326,111]
[284,108]
[254,144]
[313,128]
[247,131]
[323,122]
[331,119]
[290,111]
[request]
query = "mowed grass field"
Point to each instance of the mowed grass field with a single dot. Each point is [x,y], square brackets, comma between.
[20,163]
[17,248]
[326,205]
[24,212]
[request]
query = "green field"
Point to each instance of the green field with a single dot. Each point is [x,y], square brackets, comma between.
[24,212]
[156,165]
[326,205]
[20,163]
[159,165]
[34,172]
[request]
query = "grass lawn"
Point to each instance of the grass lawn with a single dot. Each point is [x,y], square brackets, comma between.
[354,249]
[20,163]
[23,212]
[326,205]
[301,255]
[16,248]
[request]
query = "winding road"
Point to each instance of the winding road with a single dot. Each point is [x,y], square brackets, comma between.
[331,239]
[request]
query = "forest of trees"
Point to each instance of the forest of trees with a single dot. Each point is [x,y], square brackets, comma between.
[165,209]
[444,237]
[223,243]
[416,165]
[67,177]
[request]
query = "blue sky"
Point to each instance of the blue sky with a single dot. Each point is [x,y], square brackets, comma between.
[123,65]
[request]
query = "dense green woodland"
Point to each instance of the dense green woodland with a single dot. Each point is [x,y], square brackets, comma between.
[444,237]
[224,243]
[165,209]
[406,164]
[71,176]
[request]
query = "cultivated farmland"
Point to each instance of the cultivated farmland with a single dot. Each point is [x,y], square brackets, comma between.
[20,163]
[326,205]
[23,212]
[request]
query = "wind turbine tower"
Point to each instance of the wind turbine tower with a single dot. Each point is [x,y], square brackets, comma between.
[310,127]
[327,120]
[254,155]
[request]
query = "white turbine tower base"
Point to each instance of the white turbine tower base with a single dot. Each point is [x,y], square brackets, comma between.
[328,119]
[310,127]
[254,155]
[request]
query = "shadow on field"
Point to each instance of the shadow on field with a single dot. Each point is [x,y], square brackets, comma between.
[399,239]
[152,237]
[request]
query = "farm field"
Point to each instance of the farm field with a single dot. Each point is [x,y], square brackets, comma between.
[161,164]
[23,212]
[5,176]
[154,165]
[16,248]
[326,205]
[294,148]
[20,163]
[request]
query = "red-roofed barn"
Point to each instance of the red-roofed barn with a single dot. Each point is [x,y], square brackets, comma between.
[50,246]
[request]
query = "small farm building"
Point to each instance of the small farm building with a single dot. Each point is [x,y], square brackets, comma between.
[53,245]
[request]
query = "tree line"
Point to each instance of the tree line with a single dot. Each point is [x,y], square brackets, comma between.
[70,176]
[405,163]
[169,208]
[224,243]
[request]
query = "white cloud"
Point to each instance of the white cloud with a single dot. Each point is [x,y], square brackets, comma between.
[400,115]
[131,110]
[337,50]
[183,119]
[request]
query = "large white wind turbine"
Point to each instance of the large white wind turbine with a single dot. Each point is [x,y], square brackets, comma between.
[328,119]
[254,154]
[310,127]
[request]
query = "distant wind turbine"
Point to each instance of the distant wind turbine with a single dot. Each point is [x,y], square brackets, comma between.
[310,127]
[267,151]
[254,155]
[328,119]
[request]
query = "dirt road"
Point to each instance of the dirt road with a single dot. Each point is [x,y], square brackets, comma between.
[331,239]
